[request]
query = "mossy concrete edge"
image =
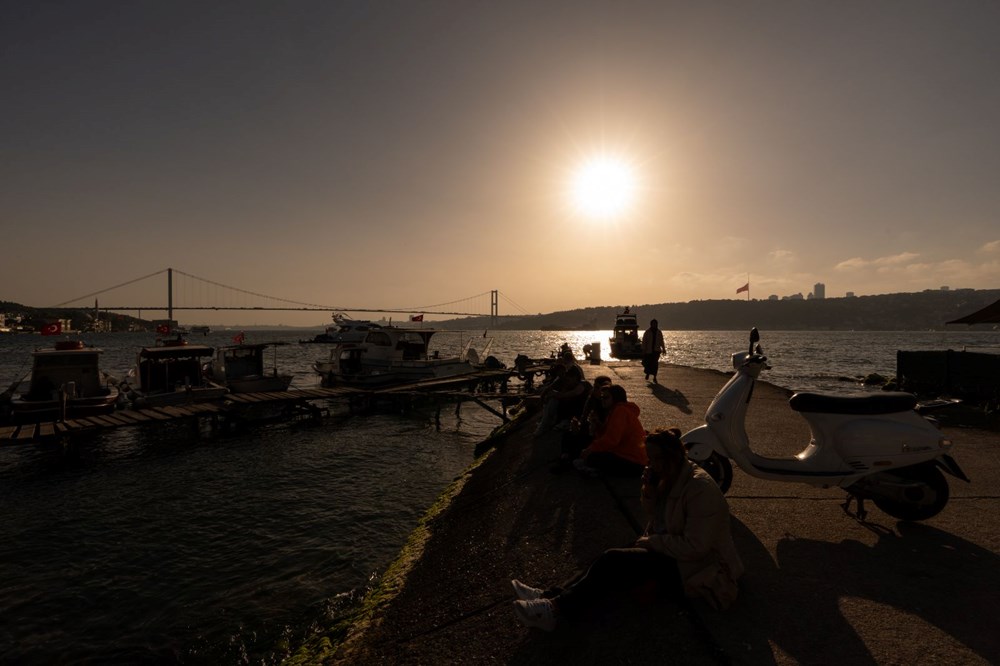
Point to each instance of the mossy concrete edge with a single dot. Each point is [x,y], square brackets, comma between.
[336,642]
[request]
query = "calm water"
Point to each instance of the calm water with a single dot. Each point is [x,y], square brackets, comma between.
[163,544]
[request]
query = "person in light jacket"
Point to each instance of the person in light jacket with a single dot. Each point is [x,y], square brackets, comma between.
[618,447]
[687,549]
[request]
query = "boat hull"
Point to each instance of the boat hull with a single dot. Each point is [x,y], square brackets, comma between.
[38,411]
[181,396]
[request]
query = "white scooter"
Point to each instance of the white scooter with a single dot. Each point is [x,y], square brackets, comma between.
[874,446]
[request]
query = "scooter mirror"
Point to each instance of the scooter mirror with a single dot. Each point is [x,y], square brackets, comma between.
[754,337]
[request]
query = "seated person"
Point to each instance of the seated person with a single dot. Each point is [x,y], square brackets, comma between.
[583,426]
[617,448]
[686,550]
[563,397]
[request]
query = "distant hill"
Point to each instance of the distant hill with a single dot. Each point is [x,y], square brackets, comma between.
[920,311]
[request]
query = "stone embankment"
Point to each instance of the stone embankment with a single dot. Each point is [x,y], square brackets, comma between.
[820,588]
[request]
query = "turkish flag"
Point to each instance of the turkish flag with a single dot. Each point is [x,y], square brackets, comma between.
[54,328]
[418,317]
[163,329]
[745,287]
[239,338]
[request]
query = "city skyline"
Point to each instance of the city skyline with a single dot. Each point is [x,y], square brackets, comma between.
[567,154]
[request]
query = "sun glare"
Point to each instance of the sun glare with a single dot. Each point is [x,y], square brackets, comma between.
[603,187]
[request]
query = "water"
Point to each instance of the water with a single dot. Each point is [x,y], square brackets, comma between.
[164,544]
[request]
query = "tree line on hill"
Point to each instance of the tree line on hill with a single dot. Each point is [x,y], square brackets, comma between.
[919,311]
[926,310]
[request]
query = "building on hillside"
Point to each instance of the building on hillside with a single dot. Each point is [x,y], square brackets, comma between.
[819,290]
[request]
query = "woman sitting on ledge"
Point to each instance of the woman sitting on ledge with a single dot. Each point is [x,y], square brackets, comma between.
[687,549]
[617,448]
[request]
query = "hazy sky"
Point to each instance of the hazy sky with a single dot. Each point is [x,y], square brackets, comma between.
[407,153]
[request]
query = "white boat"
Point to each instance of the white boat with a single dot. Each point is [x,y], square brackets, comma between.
[344,329]
[66,382]
[241,368]
[625,342]
[171,374]
[392,355]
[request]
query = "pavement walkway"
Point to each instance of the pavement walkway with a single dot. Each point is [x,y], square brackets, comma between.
[820,588]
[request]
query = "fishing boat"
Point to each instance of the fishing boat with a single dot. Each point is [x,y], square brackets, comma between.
[344,329]
[241,368]
[171,374]
[66,383]
[391,355]
[625,343]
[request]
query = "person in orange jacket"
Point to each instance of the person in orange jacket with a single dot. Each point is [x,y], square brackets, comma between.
[619,448]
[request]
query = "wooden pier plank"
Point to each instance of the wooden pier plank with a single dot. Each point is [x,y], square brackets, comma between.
[461,387]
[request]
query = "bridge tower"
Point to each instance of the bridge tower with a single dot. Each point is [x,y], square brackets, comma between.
[494,307]
[170,294]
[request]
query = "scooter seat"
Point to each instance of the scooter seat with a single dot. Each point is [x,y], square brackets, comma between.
[877,403]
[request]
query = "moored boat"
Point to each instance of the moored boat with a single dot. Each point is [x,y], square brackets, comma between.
[241,368]
[625,343]
[345,329]
[66,382]
[391,355]
[171,374]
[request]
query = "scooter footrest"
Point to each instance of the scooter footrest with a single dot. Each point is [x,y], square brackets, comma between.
[877,403]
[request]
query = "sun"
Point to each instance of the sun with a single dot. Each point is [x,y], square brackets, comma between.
[603,187]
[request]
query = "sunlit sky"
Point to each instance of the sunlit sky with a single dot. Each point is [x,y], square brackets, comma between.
[400,154]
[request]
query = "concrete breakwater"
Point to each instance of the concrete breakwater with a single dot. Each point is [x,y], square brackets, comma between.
[820,587]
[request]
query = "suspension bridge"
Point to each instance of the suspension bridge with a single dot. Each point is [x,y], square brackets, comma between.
[184,291]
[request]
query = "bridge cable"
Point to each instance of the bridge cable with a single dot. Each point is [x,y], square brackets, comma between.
[97,293]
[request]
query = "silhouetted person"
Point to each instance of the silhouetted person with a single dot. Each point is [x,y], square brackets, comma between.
[687,549]
[652,348]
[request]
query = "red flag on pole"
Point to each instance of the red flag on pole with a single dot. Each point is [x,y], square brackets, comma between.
[745,287]
[239,338]
[418,317]
[55,328]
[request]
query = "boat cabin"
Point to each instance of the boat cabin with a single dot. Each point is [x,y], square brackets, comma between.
[68,363]
[167,367]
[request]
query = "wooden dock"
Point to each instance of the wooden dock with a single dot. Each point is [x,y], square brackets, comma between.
[235,406]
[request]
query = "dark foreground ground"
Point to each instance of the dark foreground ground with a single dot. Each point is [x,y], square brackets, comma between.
[820,587]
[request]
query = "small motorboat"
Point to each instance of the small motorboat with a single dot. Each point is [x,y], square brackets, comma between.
[344,329]
[171,374]
[241,368]
[625,342]
[66,383]
[391,355]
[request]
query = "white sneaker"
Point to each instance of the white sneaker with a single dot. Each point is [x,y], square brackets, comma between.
[526,592]
[538,613]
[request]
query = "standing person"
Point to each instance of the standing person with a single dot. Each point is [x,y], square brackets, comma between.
[652,348]
[687,549]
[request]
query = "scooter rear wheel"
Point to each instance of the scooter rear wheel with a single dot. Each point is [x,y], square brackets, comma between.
[719,468]
[926,499]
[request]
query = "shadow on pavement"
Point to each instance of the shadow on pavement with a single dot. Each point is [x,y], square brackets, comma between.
[823,602]
[671,397]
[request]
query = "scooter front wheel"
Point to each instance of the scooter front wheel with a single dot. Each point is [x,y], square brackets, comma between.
[925,495]
[719,468]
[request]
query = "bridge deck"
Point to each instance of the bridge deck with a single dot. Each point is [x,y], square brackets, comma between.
[233,403]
